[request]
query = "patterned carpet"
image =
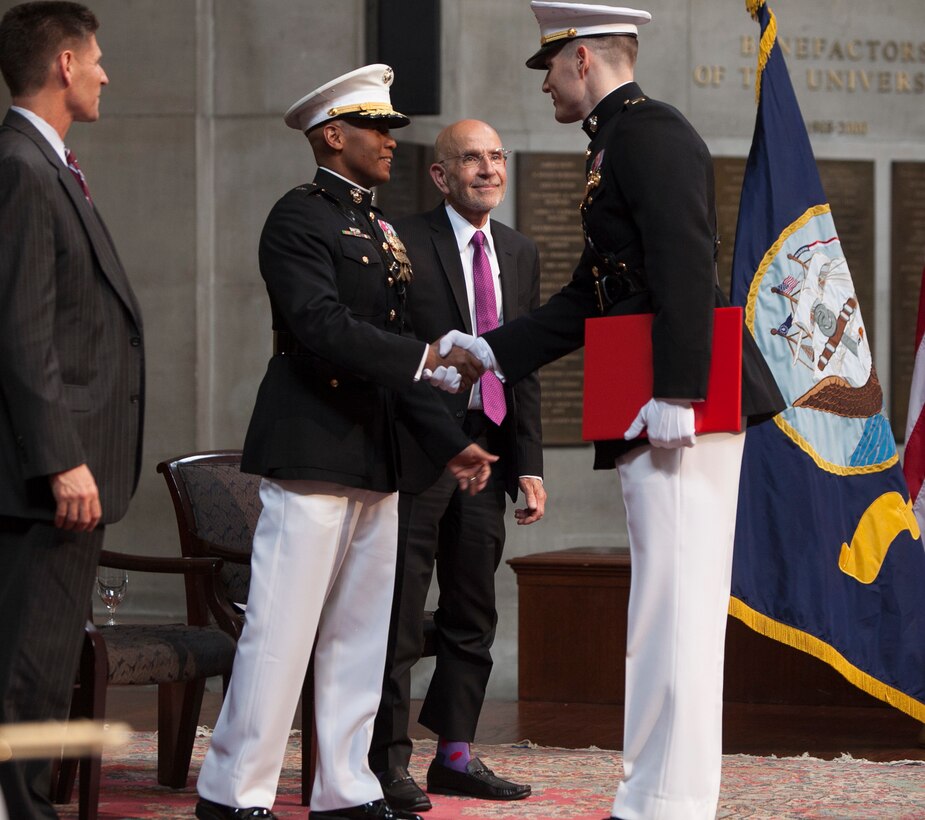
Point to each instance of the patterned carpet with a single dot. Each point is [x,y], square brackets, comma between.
[577,784]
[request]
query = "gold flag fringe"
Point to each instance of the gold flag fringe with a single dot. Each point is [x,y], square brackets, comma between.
[767,40]
[812,645]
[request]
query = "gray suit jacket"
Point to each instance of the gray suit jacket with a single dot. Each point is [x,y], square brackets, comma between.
[71,351]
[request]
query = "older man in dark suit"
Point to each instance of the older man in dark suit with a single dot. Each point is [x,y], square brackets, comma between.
[472,273]
[71,374]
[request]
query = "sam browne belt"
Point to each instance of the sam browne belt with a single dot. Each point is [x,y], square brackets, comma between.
[614,286]
[614,280]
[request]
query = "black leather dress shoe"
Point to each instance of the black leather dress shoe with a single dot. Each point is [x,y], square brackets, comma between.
[377,810]
[209,810]
[477,781]
[401,792]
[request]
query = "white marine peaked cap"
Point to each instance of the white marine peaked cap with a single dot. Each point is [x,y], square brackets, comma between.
[360,94]
[561,22]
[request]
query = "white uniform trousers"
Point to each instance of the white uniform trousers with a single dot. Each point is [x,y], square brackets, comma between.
[681,512]
[323,560]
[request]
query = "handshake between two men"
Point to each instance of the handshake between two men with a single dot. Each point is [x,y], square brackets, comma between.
[455,361]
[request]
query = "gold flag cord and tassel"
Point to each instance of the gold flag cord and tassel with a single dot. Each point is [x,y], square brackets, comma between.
[767,41]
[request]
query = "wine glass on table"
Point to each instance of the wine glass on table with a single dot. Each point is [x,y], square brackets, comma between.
[111,585]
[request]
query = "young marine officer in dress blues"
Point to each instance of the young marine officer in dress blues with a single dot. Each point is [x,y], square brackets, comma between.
[322,436]
[650,234]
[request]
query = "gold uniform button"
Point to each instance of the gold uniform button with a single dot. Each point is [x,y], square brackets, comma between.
[365,260]
[334,383]
[372,217]
[590,199]
[385,246]
[392,315]
[391,281]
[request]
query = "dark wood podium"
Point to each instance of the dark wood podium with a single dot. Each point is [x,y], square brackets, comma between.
[572,640]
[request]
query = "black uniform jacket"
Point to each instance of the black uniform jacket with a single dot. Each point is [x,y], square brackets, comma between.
[438,302]
[71,352]
[326,407]
[649,205]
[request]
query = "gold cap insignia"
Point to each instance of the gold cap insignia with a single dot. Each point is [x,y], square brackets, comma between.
[558,35]
[388,76]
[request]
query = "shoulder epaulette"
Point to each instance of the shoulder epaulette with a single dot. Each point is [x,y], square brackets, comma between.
[327,195]
[308,188]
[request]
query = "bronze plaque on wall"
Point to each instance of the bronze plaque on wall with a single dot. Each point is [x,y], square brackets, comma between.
[907,253]
[728,172]
[849,188]
[549,188]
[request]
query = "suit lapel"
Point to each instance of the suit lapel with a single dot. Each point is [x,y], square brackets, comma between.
[508,274]
[101,242]
[448,253]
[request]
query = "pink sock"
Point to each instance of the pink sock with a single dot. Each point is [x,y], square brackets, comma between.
[454,754]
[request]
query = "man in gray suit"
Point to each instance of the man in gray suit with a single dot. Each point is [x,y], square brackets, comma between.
[71,375]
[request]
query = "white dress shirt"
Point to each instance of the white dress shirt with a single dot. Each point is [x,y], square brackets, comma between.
[464,231]
[46,130]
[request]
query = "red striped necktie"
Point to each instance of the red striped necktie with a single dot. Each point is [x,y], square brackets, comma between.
[74,168]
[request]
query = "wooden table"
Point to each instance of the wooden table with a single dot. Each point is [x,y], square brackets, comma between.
[572,640]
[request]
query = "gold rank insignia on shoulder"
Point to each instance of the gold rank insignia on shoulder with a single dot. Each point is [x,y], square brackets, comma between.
[356,195]
[399,252]
[634,101]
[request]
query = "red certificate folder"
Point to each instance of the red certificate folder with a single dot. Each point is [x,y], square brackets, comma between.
[618,374]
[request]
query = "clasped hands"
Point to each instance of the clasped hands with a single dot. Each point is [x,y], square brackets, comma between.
[457,360]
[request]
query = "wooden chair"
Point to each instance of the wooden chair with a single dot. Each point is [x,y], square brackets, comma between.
[217,508]
[177,657]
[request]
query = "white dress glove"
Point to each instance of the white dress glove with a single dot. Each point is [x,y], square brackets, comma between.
[446,378]
[668,423]
[476,345]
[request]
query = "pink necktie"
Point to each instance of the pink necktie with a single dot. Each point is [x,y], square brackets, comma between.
[486,318]
[74,168]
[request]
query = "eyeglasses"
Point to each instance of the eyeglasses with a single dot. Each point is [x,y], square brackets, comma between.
[496,157]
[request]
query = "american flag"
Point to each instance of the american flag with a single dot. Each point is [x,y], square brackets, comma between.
[914,457]
[789,283]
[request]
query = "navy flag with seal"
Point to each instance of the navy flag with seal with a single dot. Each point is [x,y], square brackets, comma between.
[828,556]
